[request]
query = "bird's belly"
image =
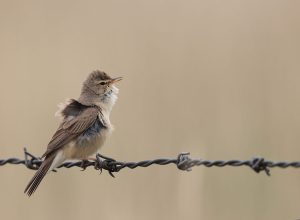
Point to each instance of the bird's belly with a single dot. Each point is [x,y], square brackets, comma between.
[84,147]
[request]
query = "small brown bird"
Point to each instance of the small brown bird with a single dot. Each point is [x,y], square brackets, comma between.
[84,128]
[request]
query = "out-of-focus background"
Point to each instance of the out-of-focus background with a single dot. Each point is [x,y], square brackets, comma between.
[219,79]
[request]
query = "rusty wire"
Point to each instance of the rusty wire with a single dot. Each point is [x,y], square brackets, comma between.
[183,162]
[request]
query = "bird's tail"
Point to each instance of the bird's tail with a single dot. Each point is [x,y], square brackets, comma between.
[39,175]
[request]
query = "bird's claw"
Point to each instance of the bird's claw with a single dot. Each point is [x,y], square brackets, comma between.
[84,164]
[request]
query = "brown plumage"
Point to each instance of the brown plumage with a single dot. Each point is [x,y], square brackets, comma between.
[39,175]
[70,129]
[67,131]
[84,127]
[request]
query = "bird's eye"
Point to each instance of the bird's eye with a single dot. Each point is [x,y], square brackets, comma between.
[102,83]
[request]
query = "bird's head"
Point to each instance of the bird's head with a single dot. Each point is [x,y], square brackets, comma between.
[99,87]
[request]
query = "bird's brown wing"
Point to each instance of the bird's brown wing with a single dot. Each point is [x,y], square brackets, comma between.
[70,129]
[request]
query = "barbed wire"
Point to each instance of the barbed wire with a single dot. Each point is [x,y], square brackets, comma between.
[183,162]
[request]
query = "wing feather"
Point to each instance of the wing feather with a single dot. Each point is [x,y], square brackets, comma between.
[72,128]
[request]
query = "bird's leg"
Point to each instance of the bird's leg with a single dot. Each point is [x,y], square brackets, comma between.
[106,158]
[86,162]
[91,158]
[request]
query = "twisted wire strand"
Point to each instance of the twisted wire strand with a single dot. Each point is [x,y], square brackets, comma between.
[183,162]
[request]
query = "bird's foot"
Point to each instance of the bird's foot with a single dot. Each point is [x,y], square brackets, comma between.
[84,164]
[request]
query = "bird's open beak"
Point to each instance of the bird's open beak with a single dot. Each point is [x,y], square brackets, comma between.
[115,80]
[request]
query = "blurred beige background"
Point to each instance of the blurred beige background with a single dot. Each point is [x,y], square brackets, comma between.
[219,79]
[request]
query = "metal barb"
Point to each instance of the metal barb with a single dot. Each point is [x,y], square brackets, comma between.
[106,164]
[29,163]
[183,161]
[258,164]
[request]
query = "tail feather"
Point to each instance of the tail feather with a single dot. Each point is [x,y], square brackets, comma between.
[39,175]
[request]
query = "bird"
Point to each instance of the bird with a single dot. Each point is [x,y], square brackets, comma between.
[84,125]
